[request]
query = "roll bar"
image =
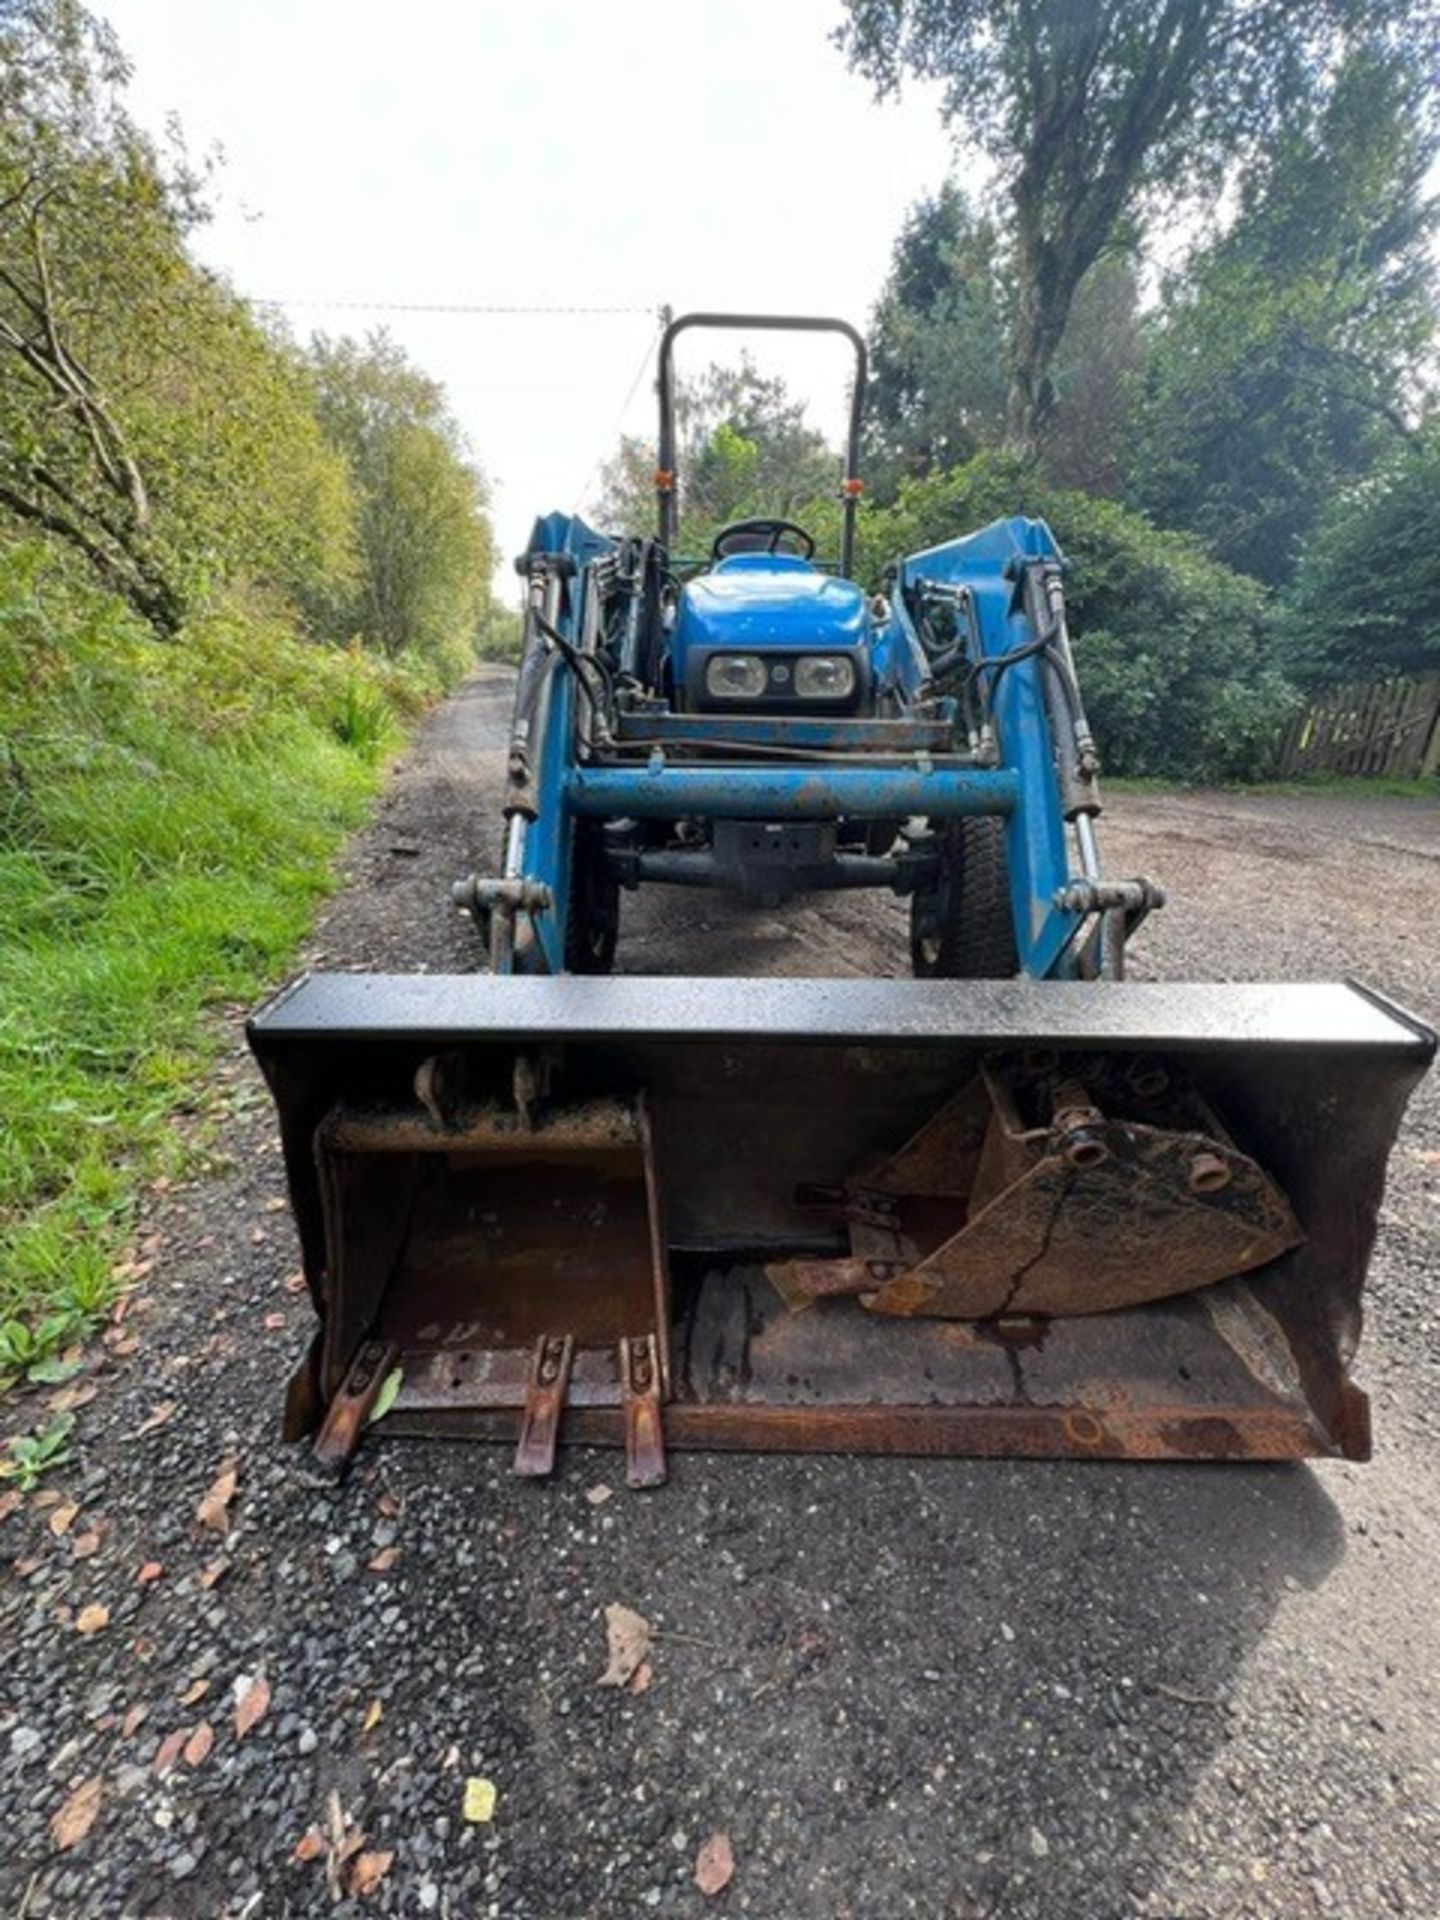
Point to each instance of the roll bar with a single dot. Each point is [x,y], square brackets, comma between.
[850,484]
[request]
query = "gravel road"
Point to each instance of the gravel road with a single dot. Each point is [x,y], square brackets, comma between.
[933,1688]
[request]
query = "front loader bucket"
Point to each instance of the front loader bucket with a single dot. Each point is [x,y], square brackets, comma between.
[1105,1219]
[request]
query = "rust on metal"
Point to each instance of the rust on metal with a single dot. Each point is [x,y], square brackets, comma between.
[640,1404]
[1085,1212]
[544,1402]
[349,1409]
[1135,1227]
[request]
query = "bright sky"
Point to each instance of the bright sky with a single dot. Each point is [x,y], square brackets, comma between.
[715,153]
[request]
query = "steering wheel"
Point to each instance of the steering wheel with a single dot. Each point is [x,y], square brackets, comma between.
[762,535]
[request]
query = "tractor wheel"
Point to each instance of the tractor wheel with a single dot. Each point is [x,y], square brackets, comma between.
[592,928]
[961,929]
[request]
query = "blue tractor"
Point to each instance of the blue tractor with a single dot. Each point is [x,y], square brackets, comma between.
[759,721]
[1018,1205]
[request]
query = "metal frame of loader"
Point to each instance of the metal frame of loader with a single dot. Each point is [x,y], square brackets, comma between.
[586,757]
[1058,1214]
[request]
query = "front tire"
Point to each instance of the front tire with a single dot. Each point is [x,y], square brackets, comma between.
[592,925]
[961,928]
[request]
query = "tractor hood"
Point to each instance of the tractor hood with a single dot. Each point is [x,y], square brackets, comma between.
[768,600]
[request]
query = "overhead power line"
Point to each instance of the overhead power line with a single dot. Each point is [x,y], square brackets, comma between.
[649,354]
[439,306]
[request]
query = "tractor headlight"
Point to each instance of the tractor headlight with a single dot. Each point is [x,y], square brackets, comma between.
[735,676]
[825,677]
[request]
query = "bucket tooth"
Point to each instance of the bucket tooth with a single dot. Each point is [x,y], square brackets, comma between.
[545,1393]
[640,1405]
[348,1411]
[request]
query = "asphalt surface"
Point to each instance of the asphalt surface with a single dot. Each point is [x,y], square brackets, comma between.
[937,1688]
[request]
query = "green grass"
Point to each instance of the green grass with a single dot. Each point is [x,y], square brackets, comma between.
[1334,785]
[169,816]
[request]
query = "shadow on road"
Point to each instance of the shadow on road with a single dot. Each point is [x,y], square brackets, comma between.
[945,1688]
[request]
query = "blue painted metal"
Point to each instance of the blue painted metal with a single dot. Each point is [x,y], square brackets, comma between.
[988,562]
[669,792]
[897,657]
[815,732]
[770,602]
[548,838]
[776,601]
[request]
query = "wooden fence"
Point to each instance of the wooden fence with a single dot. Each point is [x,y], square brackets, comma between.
[1379,728]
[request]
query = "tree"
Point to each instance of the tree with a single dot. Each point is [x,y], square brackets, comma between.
[1093,108]
[146,422]
[745,447]
[1291,353]
[425,543]
[1366,599]
[938,344]
[1101,354]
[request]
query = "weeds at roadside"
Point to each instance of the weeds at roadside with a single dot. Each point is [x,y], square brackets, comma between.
[168,820]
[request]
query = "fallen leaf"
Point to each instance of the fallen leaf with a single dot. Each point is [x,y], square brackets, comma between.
[389,1505]
[715,1864]
[478,1805]
[274,1322]
[368,1870]
[92,1618]
[212,1571]
[310,1845]
[10,1500]
[69,1398]
[213,1509]
[135,1716]
[70,1824]
[63,1518]
[598,1495]
[47,1497]
[641,1678]
[164,1410]
[384,1560]
[373,1714]
[251,1704]
[628,1636]
[199,1744]
[276,1204]
[151,1570]
[196,1690]
[84,1544]
[168,1751]
[385,1399]
[25,1566]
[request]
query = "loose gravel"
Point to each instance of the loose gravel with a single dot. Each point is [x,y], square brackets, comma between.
[936,1688]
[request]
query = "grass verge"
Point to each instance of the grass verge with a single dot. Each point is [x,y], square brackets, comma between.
[1333,786]
[169,814]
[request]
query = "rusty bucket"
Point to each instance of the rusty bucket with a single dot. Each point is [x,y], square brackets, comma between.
[1097,1219]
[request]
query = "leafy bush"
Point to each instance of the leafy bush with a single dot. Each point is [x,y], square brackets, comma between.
[1174,651]
[1366,602]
